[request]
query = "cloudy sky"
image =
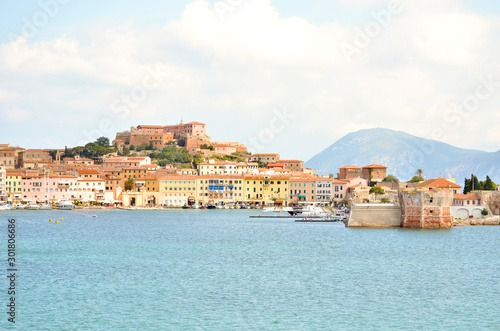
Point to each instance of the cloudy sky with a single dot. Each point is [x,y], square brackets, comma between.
[280,75]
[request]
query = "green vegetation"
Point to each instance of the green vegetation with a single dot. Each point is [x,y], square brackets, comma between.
[94,151]
[484,212]
[391,179]
[174,155]
[385,200]
[129,184]
[377,190]
[343,202]
[205,146]
[416,179]
[476,185]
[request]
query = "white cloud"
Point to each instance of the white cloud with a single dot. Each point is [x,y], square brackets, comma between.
[233,71]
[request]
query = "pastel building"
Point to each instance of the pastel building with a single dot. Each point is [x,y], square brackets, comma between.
[302,189]
[49,188]
[91,189]
[13,185]
[324,190]
[267,189]
[3,184]
[220,189]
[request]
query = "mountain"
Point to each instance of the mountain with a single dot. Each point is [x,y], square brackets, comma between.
[403,154]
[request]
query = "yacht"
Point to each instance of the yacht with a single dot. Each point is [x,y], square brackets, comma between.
[32,206]
[46,206]
[310,211]
[65,205]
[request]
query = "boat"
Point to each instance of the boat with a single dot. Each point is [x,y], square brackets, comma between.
[46,206]
[4,207]
[32,206]
[310,211]
[18,206]
[196,206]
[185,207]
[65,205]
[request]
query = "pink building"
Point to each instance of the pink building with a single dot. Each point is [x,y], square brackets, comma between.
[48,188]
[223,149]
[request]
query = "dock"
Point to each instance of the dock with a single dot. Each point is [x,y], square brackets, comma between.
[282,216]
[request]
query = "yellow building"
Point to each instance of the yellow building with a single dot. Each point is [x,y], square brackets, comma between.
[13,186]
[177,190]
[267,189]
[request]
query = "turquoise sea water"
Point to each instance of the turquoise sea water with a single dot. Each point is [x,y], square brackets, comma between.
[221,270]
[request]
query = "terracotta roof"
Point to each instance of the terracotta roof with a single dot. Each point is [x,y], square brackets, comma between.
[88,172]
[291,161]
[375,166]
[439,183]
[470,196]
[350,167]
[195,123]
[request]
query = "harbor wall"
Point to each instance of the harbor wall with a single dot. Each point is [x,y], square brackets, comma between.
[375,216]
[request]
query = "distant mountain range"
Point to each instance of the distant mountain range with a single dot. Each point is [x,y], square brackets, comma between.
[403,154]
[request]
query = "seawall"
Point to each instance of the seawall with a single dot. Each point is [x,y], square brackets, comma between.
[375,216]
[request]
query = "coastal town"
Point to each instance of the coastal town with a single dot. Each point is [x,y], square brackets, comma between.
[180,166]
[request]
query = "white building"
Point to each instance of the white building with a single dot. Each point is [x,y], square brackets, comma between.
[3,183]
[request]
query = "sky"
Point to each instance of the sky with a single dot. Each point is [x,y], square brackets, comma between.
[282,76]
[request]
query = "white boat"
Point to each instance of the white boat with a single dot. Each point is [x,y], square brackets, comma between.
[310,211]
[32,206]
[271,210]
[18,206]
[46,206]
[4,207]
[65,205]
[196,206]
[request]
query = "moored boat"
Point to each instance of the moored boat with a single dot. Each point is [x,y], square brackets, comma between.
[65,205]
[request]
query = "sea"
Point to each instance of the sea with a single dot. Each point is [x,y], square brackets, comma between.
[222,270]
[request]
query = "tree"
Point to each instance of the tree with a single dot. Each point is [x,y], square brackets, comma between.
[102,141]
[53,154]
[132,147]
[126,151]
[484,212]
[129,184]
[488,185]
[343,202]
[419,173]
[391,179]
[377,190]
[385,200]
[181,142]
[416,179]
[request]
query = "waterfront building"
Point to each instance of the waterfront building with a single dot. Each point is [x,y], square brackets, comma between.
[324,190]
[89,174]
[220,189]
[3,184]
[50,187]
[267,189]
[91,189]
[177,190]
[339,190]
[302,189]
[13,185]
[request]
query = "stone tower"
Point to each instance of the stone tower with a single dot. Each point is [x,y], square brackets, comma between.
[426,208]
